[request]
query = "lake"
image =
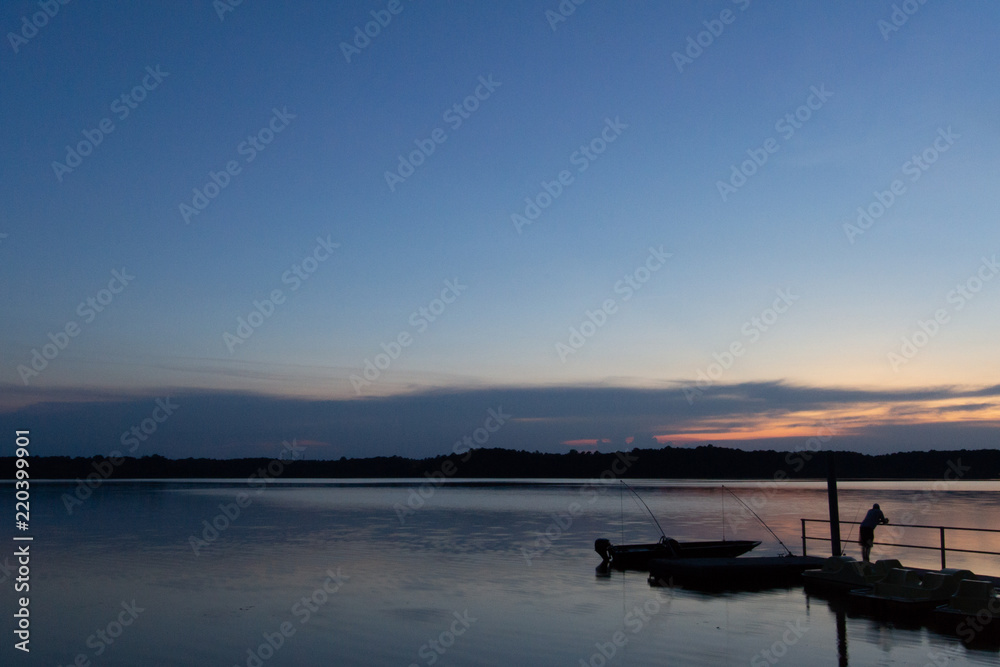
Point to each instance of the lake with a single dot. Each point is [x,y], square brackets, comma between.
[368,573]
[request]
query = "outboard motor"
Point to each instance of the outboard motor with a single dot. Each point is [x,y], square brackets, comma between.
[672,546]
[601,546]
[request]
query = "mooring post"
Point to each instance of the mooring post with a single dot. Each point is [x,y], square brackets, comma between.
[831,491]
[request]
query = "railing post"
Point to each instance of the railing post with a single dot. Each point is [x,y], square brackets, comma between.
[831,491]
[804,553]
[942,548]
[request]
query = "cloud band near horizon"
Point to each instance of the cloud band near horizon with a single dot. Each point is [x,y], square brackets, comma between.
[757,415]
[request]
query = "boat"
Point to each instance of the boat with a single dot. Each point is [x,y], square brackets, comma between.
[638,556]
[749,573]
[913,591]
[842,574]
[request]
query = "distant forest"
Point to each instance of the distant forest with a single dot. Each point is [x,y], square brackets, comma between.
[704,462]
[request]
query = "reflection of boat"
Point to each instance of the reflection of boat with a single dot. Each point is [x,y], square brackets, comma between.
[914,591]
[843,574]
[637,556]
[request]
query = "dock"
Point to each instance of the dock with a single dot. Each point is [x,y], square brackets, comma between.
[745,573]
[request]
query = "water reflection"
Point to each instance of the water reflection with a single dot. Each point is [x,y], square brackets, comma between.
[843,658]
[462,552]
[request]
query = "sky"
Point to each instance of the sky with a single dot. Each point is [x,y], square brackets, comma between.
[365,225]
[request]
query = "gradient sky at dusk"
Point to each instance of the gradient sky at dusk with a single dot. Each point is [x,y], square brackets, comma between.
[882,96]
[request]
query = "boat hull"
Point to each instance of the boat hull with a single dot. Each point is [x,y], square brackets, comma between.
[638,556]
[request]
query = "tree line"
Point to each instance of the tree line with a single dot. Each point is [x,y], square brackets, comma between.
[703,462]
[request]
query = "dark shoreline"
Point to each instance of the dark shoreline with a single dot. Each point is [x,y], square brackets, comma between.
[704,463]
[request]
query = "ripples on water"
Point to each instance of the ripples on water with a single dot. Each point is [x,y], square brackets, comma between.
[469,560]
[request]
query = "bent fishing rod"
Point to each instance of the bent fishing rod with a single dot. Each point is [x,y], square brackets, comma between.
[652,516]
[759,519]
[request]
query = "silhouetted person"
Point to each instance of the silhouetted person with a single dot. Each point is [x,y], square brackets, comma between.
[866,538]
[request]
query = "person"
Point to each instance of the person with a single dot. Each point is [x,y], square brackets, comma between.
[867,536]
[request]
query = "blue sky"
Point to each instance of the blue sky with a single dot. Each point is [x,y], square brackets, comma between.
[888,95]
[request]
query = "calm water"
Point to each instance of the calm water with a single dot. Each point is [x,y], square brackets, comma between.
[468,571]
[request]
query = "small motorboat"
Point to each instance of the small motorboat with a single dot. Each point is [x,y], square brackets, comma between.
[637,556]
[718,571]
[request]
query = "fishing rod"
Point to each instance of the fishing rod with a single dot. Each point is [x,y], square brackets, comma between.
[723,516]
[759,519]
[851,531]
[652,516]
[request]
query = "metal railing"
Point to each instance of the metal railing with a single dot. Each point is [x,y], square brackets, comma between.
[942,547]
